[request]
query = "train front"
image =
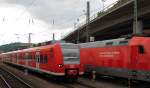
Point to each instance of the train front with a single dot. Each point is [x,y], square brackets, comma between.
[71,60]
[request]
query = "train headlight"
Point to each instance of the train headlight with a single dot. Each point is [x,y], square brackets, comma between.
[60,65]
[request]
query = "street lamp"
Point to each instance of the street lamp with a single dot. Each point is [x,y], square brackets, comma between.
[87,21]
[78,36]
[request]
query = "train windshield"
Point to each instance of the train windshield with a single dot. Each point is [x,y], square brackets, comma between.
[70,53]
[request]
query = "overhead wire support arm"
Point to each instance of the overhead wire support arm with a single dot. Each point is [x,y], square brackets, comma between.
[135,29]
[87,21]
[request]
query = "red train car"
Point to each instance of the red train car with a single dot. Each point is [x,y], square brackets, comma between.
[128,58]
[59,59]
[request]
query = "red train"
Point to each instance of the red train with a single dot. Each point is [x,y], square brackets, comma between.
[59,59]
[127,58]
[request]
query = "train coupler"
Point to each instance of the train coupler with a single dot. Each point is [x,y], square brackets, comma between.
[72,73]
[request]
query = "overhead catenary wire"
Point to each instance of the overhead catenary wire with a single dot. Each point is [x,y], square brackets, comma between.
[26,9]
[62,23]
[59,23]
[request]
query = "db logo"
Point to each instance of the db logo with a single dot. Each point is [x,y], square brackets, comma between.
[109,54]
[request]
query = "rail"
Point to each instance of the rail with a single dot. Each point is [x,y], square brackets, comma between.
[4,83]
[13,80]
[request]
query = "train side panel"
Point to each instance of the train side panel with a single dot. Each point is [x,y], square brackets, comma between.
[130,60]
[57,60]
[141,59]
[143,52]
[107,60]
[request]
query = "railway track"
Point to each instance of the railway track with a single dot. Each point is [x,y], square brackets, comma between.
[3,83]
[83,82]
[76,85]
[85,85]
[9,80]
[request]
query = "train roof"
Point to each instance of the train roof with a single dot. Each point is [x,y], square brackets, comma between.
[39,48]
[112,42]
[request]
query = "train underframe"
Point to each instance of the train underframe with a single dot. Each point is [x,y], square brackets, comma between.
[70,74]
[119,72]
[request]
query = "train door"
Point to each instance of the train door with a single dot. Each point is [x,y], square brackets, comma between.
[17,57]
[37,57]
[134,57]
[51,59]
[12,56]
[26,58]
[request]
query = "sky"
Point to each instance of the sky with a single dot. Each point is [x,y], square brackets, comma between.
[42,18]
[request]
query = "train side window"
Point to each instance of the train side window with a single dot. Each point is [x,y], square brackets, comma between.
[45,59]
[20,56]
[109,43]
[37,58]
[123,42]
[30,56]
[51,52]
[26,56]
[16,56]
[41,58]
[33,57]
[141,49]
[23,56]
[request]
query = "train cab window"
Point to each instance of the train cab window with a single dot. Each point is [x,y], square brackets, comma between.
[141,49]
